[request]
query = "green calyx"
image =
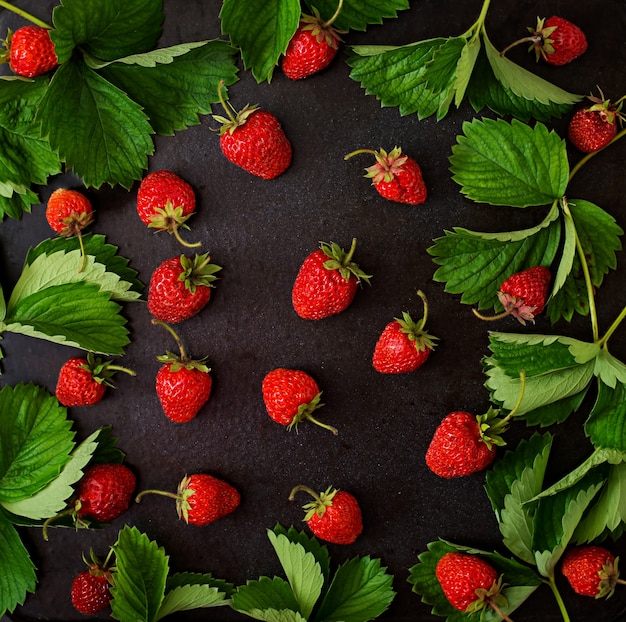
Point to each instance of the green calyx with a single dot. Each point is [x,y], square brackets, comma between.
[171,218]
[320,501]
[323,30]
[341,261]
[415,330]
[490,598]
[305,413]
[197,271]
[387,165]
[182,360]
[234,118]
[103,370]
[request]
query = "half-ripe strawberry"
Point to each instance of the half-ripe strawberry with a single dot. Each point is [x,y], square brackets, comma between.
[201,499]
[395,176]
[180,287]
[334,515]
[326,282]
[591,570]
[292,396]
[165,202]
[91,589]
[30,51]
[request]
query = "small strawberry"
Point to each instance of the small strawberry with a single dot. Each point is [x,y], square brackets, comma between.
[254,140]
[404,345]
[333,515]
[180,287]
[395,176]
[593,128]
[291,396]
[326,282]
[30,51]
[313,46]
[83,381]
[470,583]
[591,571]
[165,202]
[68,212]
[201,499]
[91,589]
[523,295]
[182,384]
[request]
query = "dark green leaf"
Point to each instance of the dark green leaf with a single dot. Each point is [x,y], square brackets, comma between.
[555,412]
[107,451]
[180,579]
[264,594]
[606,425]
[358,14]
[15,205]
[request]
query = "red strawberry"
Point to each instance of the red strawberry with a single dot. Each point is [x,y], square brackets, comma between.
[396,177]
[165,202]
[91,589]
[326,282]
[593,128]
[180,287]
[404,345]
[333,515]
[470,583]
[30,51]
[254,140]
[557,40]
[291,396]
[201,499]
[591,571]
[523,295]
[83,381]
[313,46]
[68,212]
[182,384]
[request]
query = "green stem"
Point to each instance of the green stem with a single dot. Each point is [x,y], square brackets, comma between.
[479,24]
[179,343]
[24,14]
[559,599]
[618,320]
[588,157]
[334,17]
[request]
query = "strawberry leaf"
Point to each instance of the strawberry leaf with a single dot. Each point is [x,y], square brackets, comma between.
[605,424]
[191,596]
[262,30]
[179,579]
[310,544]
[357,14]
[17,571]
[266,599]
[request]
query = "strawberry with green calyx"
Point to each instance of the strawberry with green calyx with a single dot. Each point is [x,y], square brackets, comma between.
[395,176]
[334,515]
[29,51]
[292,396]
[593,128]
[404,345]
[523,295]
[91,589]
[464,444]
[165,201]
[313,46]
[183,385]
[470,583]
[83,381]
[180,287]
[326,282]
[254,140]
[591,570]
[201,499]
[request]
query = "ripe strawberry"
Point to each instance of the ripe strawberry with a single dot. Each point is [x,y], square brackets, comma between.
[30,51]
[333,515]
[523,295]
[91,589]
[201,499]
[326,282]
[593,128]
[68,212]
[396,177]
[165,202]
[83,381]
[313,46]
[180,287]
[404,345]
[470,583]
[557,40]
[182,384]
[291,396]
[591,571]
[254,140]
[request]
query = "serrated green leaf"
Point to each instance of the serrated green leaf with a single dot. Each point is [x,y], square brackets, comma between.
[97,129]
[310,544]
[358,14]
[15,205]
[510,164]
[179,579]
[52,499]
[106,30]
[264,595]
[568,253]
[188,597]
[606,425]
[555,412]
[37,441]
[151,59]
[142,568]
[17,571]
[441,69]
[106,449]
[262,30]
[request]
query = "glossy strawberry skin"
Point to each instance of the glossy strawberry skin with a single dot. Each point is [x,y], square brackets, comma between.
[258,146]
[104,492]
[407,185]
[395,353]
[285,390]
[90,593]
[460,575]
[341,522]
[182,392]
[527,292]
[31,52]
[588,131]
[159,187]
[68,211]
[307,54]
[568,41]
[582,567]
[208,499]
[76,385]
[457,448]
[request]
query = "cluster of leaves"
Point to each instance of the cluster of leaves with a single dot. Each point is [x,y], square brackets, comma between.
[39,464]
[55,301]
[112,91]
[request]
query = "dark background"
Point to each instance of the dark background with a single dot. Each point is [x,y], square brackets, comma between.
[260,232]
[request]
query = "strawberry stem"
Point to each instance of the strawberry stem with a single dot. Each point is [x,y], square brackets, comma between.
[503,422]
[179,343]
[230,111]
[303,488]
[558,598]
[358,151]
[152,491]
[618,320]
[176,232]
[422,323]
[334,17]
[24,14]
[82,251]
[311,418]
[492,318]
[499,611]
